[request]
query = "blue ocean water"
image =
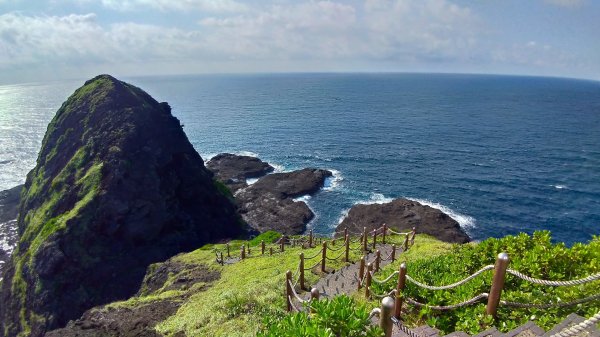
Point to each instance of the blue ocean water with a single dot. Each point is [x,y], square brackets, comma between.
[500,154]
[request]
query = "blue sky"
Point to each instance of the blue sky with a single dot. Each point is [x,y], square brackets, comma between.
[59,39]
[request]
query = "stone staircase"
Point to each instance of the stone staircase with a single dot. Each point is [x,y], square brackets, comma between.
[529,329]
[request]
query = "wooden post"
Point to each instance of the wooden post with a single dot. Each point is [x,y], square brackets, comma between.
[222,261]
[374,239]
[243,252]
[324,256]
[333,242]
[405,243]
[383,235]
[361,271]
[365,239]
[262,247]
[347,254]
[248,247]
[271,251]
[346,232]
[288,290]
[385,316]
[377,260]
[497,284]
[314,296]
[301,267]
[399,289]
[412,238]
[368,280]
[393,253]
[310,239]
[228,255]
[282,244]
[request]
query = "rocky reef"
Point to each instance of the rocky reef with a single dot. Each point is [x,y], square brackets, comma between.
[269,203]
[9,206]
[117,186]
[402,215]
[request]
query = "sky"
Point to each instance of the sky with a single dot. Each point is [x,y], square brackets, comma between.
[68,39]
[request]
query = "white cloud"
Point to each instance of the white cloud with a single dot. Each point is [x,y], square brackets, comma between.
[176,5]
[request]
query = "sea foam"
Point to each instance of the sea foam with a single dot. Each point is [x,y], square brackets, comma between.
[466,222]
[334,181]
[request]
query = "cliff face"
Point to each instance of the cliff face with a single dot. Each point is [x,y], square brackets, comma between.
[117,186]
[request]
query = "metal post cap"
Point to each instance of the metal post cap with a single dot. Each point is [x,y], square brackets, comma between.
[503,256]
[387,302]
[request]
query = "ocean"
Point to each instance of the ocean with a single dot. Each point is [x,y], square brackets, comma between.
[500,154]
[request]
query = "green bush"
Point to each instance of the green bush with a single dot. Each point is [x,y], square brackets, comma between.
[339,317]
[534,255]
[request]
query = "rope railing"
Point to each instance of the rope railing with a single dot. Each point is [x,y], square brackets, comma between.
[450,286]
[386,279]
[316,264]
[389,293]
[404,328]
[550,305]
[448,307]
[524,277]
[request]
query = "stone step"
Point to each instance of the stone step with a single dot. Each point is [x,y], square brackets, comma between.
[458,334]
[491,332]
[528,329]
[571,320]
[427,331]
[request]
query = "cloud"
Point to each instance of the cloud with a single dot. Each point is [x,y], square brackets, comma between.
[566,3]
[173,5]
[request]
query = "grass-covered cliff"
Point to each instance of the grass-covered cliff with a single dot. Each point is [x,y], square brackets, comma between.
[117,186]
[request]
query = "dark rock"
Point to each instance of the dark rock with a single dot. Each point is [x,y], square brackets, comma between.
[268,204]
[233,170]
[9,203]
[402,215]
[117,187]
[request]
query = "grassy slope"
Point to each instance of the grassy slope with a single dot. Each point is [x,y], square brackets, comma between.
[247,291]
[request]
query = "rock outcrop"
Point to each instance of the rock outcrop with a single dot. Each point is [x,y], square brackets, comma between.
[117,186]
[269,203]
[402,215]
[9,205]
[233,170]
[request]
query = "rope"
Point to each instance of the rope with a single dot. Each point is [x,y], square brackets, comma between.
[449,286]
[406,330]
[334,249]
[448,307]
[296,294]
[391,293]
[316,264]
[335,258]
[388,258]
[312,257]
[387,279]
[293,305]
[554,283]
[397,233]
[550,305]
[578,328]
[374,312]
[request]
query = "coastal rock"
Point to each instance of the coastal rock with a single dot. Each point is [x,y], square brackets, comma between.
[402,215]
[9,203]
[117,187]
[233,170]
[269,203]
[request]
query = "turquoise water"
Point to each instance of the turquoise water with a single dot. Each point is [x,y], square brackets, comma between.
[500,154]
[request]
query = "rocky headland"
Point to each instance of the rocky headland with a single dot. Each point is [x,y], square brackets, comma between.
[269,203]
[402,215]
[117,186]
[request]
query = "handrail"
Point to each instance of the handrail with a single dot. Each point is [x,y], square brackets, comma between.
[524,277]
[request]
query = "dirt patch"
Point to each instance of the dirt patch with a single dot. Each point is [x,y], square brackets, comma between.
[173,275]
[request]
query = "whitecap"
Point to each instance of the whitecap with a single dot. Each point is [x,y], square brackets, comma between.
[251,181]
[465,221]
[559,187]
[332,182]
[303,198]
[278,168]
[376,198]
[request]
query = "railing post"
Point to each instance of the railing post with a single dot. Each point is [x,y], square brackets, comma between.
[346,232]
[228,255]
[374,239]
[399,289]
[222,261]
[310,239]
[243,253]
[365,239]
[301,267]
[361,271]
[282,244]
[314,296]
[405,242]
[262,247]
[347,253]
[393,253]
[377,260]
[324,256]
[288,290]
[270,251]
[412,239]
[368,280]
[385,316]
[497,284]
[383,236]
[248,247]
